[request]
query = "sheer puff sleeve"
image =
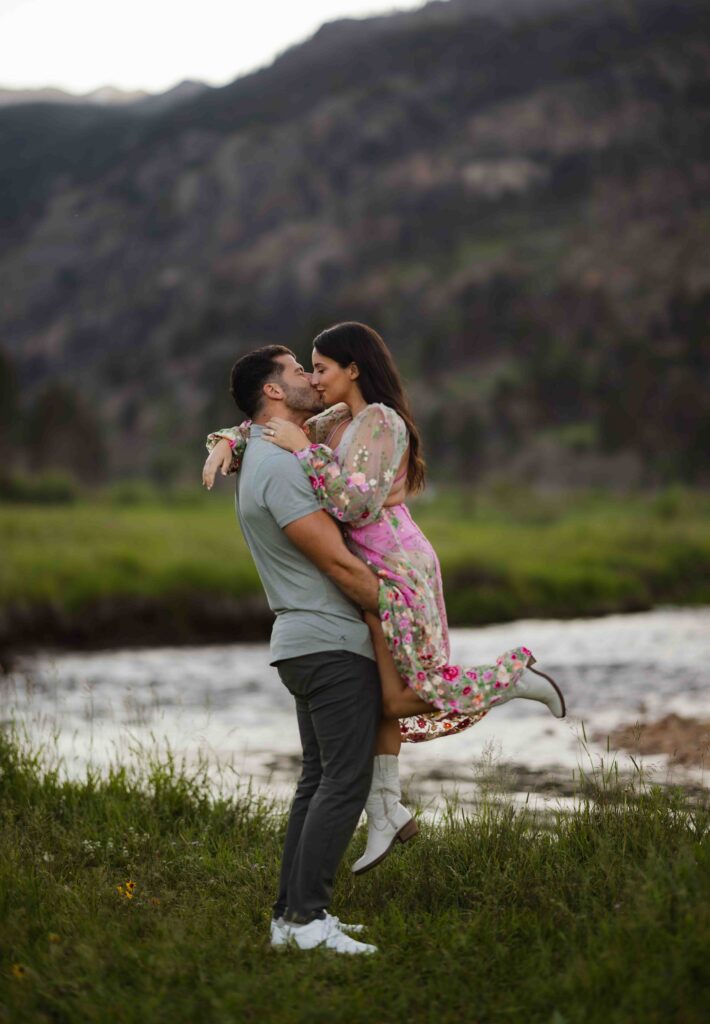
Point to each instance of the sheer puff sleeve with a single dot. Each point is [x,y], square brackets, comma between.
[321,427]
[355,489]
[237,437]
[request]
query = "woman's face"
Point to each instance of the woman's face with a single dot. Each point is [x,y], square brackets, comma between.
[331,380]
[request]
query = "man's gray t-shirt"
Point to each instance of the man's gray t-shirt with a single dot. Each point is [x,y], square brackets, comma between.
[312,614]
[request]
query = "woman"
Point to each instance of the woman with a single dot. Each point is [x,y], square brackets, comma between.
[363,457]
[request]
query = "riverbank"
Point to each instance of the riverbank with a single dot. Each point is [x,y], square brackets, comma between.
[103,573]
[683,740]
[139,897]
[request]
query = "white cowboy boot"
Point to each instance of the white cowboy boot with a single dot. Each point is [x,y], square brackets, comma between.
[388,821]
[543,689]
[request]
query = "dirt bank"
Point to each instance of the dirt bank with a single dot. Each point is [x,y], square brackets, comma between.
[133,622]
[686,741]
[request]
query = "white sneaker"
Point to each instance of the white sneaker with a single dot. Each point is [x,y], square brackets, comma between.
[388,821]
[278,938]
[322,932]
[355,929]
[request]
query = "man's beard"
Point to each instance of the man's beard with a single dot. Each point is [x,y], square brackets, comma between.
[305,399]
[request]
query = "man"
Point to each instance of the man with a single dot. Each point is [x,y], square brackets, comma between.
[319,644]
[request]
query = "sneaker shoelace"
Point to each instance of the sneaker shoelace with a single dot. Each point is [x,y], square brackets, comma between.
[337,923]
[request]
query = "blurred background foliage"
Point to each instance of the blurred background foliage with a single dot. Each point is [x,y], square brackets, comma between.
[514,194]
[142,563]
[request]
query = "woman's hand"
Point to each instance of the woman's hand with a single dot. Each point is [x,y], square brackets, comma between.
[220,458]
[285,434]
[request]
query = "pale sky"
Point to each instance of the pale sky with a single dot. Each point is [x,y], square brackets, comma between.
[79,45]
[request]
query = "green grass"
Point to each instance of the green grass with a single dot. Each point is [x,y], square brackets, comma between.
[72,555]
[600,915]
[503,556]
[517,554]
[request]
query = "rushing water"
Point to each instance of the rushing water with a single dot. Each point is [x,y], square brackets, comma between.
[227,705]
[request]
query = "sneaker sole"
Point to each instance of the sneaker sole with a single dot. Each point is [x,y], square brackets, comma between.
[407,832]
[286,947]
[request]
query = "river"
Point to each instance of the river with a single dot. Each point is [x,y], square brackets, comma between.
[225,706]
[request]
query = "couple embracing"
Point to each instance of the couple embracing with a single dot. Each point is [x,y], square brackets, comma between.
[324,463]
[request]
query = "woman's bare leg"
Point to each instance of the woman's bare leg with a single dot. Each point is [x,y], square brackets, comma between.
[389,738]
[388,820]
[398,700]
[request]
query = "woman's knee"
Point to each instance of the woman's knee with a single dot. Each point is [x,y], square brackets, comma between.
[393,707]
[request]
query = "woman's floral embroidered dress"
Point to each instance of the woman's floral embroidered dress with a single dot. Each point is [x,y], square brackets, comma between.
[352,483]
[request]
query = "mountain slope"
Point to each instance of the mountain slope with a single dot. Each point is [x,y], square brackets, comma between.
[519,203]
[105,96]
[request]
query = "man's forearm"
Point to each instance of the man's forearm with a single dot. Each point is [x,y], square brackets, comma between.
[358,582]
[320,540]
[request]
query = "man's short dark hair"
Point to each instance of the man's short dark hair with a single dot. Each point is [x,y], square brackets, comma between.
[251,372]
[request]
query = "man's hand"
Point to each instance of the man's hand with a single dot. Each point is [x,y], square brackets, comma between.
[319,539]
[219,459]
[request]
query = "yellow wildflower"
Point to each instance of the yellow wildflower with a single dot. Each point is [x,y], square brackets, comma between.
[19,971]
[53,937]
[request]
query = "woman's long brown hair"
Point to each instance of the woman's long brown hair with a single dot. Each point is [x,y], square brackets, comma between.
[379,381]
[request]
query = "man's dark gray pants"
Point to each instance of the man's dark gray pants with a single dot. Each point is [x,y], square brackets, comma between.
[338,703]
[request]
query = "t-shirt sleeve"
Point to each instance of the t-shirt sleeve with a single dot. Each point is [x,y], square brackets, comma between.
[287,492]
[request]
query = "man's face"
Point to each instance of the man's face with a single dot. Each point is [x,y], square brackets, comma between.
[299,392]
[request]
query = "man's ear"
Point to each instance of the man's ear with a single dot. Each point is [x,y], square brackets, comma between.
[273,391]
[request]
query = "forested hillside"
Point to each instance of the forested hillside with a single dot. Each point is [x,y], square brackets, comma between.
[515,194]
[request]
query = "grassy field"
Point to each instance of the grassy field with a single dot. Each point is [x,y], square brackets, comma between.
[504,556]
[600,915]
[515,554]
